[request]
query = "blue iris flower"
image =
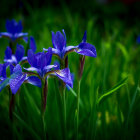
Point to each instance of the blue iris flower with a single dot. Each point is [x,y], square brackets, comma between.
[85,48]
[16,78]
[61,49]
[14,31]
[15,58]
[41,64]
[59,43]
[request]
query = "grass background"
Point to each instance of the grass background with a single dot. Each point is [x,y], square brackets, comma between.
[113,29]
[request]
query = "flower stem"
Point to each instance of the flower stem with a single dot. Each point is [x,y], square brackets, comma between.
[44,96]
[77,119]
[65,121]
[44,102]
[11,105]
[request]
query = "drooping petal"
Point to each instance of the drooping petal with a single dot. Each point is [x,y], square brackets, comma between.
[48,68]
[65,76]
[57,64]
[19,52]
[59,41]
[16,82]
[34,81]
[70,48]
[54,51]
[12,60]
[72,77]
[32,44]
[32,69]
[17,69]
[25,38]
[8,53]
[5,34]
[86,49]
[20,35]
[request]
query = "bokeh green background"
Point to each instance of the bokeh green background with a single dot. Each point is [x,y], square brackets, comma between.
[113,28]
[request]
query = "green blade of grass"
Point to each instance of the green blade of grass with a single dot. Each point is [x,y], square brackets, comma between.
[111,91]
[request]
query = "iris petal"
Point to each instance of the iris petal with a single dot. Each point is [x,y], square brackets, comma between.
[84,37]
[8,53]
[16,82]
[65,76]
[31,58]
[34,81]
[32,44]
[86,49]
[59,41]
[19,52]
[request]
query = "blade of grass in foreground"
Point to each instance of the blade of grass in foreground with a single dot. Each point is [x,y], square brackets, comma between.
[130,110]
[111,91]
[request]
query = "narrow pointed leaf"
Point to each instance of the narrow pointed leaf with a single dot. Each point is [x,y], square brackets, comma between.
[111,91]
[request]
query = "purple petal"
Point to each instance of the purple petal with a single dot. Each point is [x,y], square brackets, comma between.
[31,58]
[72,77]
[1,67]
[69,48]
[65,76]
[59,41]
[12,60]
[32,44]
[5,34]
[19,27]
[17,69]
[57,65]
[10,26]
[24,58]
[34,81]
[11,69]
[20,35]
[84,37]
[19,52]
[25,38]
[86,49]
[3,71]
[32,69]
[49,67]
[49,56]
[8,53]
[54,51]
[64,36]
[16,82]
[53,38]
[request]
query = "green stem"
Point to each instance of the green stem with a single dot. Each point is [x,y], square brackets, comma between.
[77,119]
[65,121]
[43,104]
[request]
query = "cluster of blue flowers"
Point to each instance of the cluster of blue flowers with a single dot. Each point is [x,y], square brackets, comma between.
[40,63]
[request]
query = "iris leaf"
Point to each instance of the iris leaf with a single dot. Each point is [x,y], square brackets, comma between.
[111,91]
